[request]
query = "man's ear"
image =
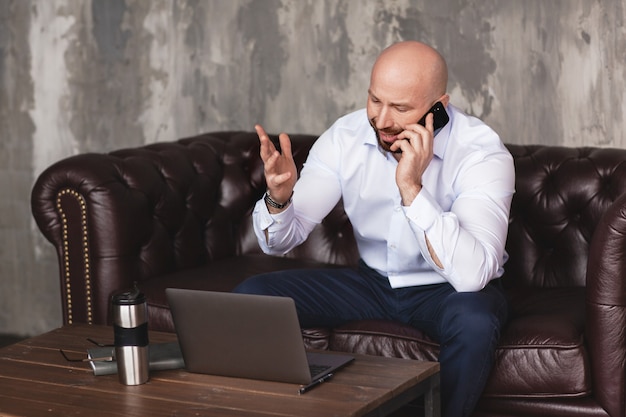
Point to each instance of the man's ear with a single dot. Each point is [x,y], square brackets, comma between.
[445,99]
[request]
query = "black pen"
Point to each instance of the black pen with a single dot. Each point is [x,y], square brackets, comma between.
[314,383]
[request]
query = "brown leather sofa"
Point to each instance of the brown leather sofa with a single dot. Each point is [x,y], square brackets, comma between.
[178,215]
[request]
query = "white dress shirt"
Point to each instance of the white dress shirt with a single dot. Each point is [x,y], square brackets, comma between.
[463,206]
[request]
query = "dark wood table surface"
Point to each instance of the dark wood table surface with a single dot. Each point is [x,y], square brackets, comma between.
[35,380]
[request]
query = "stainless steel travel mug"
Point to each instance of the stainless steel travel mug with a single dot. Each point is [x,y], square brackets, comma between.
[130,326]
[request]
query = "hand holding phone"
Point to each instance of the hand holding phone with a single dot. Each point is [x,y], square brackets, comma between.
[409,173]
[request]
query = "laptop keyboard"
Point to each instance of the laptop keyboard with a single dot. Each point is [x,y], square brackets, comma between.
[317,369]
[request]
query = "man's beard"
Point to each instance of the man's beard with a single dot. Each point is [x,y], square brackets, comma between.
[384,145]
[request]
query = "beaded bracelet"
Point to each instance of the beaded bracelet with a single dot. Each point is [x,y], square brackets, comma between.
[270,202]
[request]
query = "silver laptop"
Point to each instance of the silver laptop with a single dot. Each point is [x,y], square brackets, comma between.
[247,336]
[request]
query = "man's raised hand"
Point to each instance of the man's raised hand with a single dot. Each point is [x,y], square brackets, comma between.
[280,168]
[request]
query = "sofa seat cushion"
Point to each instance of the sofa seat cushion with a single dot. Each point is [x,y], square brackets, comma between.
[541,353]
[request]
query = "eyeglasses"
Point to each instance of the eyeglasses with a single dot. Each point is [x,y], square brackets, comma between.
[110,358]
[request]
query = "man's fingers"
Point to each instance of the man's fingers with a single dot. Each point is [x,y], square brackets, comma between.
[421,137]
[267,147]
[280,179]
[260,131]
[271,159]
[398,144]
[285,142]
[285,145]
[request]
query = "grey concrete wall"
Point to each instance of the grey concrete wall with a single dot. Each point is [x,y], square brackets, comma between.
[96,75]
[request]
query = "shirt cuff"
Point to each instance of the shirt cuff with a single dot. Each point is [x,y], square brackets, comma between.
[271,222]
[263,215]
[423,211]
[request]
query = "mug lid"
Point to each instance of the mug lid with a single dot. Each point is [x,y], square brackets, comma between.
[129,297]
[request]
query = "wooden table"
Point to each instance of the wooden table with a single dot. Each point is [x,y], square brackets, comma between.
[36,380]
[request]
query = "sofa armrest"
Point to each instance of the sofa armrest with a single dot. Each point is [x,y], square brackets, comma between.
[137,213]
[606,308]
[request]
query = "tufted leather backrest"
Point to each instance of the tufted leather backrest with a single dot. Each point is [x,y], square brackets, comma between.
[160,208]
[561,194]
[195,198]
[242,176]
[145,212]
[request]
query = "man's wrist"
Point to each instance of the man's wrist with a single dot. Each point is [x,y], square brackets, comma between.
[271,203]
[408,196]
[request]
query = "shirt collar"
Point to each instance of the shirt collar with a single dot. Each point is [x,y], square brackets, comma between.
[441,140]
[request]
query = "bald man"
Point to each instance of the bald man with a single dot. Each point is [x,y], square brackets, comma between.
[429,204]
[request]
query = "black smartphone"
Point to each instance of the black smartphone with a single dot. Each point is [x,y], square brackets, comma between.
[440,117]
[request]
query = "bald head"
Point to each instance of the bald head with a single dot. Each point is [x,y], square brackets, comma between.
[408,78]
[413,66]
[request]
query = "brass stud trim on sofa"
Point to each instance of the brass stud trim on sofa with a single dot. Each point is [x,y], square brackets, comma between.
[66,257]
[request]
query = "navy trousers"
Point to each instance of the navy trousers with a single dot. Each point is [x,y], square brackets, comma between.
[466,325]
